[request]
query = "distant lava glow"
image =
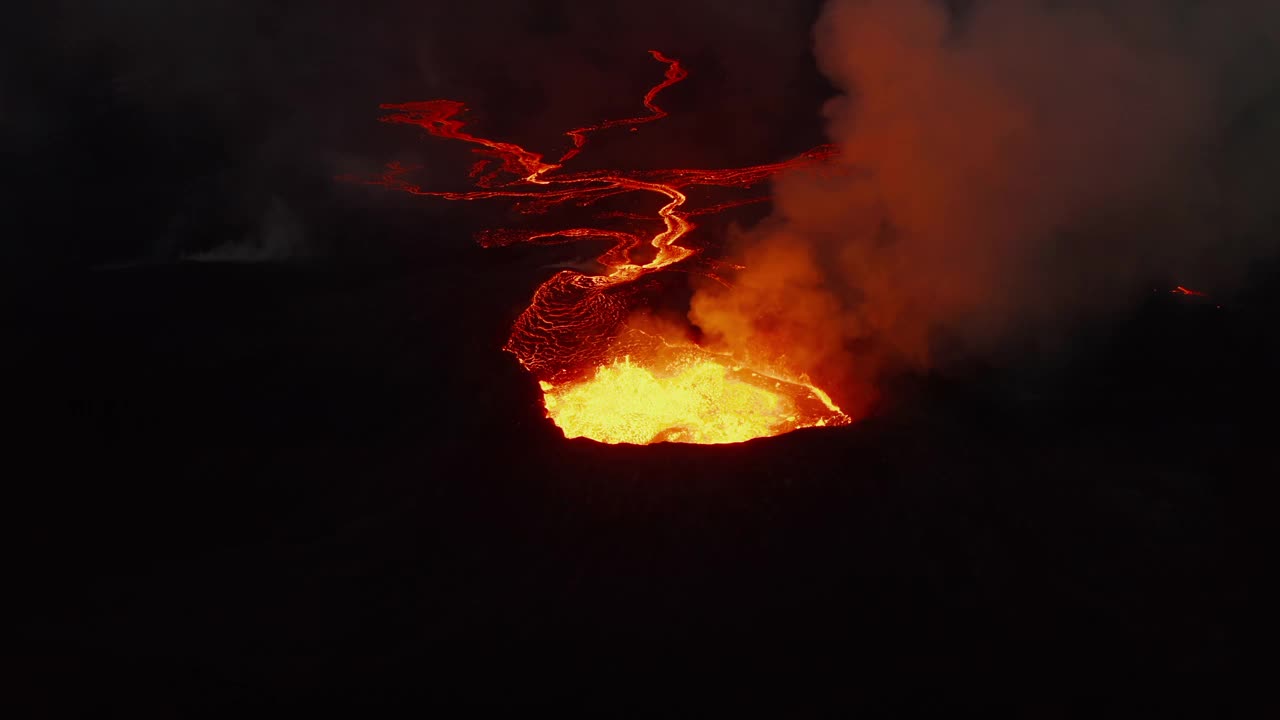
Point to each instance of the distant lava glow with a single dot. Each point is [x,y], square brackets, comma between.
[601,378]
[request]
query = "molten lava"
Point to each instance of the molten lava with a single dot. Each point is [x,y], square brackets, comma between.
[598,380]
[697,398]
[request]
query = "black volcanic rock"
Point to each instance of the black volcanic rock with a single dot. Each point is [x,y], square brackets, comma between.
[341,462]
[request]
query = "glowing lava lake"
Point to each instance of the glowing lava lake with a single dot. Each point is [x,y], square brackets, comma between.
[601,379]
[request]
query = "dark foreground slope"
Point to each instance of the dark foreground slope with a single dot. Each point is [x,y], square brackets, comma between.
[279,474]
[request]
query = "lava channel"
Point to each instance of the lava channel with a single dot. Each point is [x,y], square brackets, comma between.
[602,379]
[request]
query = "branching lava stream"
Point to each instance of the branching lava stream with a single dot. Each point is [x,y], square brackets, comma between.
[602,378]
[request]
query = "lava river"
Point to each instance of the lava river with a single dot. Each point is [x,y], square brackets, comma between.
[601,377]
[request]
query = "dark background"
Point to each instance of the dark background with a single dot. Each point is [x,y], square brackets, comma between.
[286,474]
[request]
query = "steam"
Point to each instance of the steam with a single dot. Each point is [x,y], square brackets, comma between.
[1010,167]
[279,238]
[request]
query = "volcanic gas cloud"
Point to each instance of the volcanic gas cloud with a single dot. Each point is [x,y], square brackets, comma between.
[1012,171]
[605,374]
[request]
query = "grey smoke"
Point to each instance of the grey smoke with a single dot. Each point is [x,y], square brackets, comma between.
[1012,168]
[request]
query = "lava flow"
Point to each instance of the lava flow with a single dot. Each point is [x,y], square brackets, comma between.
[601,377]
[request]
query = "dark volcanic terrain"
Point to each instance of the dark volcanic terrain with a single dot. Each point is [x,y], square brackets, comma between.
[338,463]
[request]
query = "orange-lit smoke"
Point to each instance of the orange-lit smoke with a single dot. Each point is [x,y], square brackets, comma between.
[1014,165]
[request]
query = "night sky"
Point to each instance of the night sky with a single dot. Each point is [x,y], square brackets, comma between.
[262,425]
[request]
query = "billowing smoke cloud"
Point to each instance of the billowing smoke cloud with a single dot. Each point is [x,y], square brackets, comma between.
[1011,167]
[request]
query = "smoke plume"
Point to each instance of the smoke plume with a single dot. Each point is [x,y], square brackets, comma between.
[1010,168]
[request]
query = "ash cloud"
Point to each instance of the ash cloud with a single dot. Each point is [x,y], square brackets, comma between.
[1011,169]
[161,130]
